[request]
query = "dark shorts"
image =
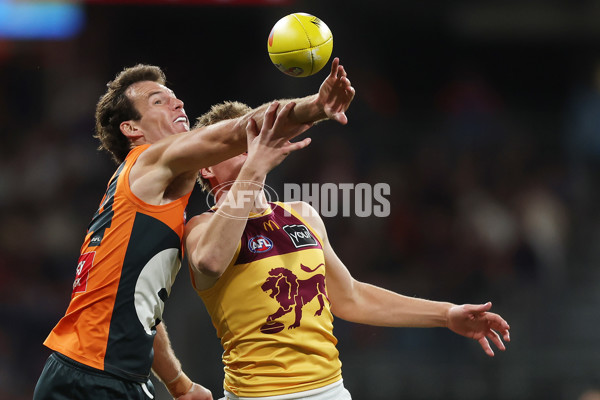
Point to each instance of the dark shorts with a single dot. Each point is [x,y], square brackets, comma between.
[66,379]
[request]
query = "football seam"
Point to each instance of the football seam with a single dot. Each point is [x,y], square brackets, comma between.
[310,46]
[304,48]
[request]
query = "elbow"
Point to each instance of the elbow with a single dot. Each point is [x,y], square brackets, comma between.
[347,304]
[207,265]
[343,312]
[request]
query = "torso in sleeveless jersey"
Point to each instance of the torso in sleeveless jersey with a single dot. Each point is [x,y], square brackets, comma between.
[128,263]
[271,311]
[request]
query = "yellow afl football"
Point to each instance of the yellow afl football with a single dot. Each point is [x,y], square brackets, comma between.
[300,44]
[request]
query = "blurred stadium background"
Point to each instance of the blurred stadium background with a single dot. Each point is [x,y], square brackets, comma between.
[483,116]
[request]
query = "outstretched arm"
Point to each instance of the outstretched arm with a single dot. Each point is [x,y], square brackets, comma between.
[368,304]
[183,155]
[212,144]
[167,368]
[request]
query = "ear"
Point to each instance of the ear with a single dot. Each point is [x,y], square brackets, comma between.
[207,173]
[129,128]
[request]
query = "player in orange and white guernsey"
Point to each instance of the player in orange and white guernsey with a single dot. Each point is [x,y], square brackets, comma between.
[138,247]
[112,335]
[271,283]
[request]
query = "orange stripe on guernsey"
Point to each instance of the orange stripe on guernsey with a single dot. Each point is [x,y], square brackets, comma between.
[127,265]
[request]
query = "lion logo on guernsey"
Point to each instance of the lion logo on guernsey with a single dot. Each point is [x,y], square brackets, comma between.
[292,294]
[260,244]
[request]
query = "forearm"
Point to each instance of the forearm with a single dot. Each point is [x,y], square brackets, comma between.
[166,366]
[213,250]
[205,146]
[307,110]
[373,305]
[209,145]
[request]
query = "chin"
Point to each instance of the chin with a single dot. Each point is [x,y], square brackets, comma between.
[181,128]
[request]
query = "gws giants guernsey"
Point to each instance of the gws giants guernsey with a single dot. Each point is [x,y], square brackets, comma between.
[128,263]
[271,311]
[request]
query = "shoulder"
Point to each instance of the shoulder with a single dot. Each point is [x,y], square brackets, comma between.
[309,214]
[303,208]
[144,160]
[198,221]
[157,154]
[148,153]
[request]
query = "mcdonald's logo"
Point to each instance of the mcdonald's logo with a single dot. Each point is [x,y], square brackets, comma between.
[270,225]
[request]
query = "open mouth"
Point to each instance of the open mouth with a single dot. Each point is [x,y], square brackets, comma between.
[182,120]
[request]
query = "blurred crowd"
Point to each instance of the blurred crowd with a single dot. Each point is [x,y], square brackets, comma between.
[493,197]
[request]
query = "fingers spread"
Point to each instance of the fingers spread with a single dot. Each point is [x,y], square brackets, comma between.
[251,130]
[485,345]
[285,111]
[334,67]
[283,115]
[270,115]
[342,72]
[290,147]
[341,118]
[498,323]
[495,338]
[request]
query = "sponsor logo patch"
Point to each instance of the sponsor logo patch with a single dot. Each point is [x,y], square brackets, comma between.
[260,244]
[300,235]
[270,225]
[84,265]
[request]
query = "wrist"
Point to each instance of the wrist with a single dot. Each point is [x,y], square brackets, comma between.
[318,109]
[253,171]
[447,317]
[180,385]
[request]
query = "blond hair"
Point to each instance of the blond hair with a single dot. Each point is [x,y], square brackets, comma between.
[219,112]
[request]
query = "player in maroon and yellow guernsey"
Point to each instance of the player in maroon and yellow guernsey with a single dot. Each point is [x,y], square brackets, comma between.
[271,283]
[112,335]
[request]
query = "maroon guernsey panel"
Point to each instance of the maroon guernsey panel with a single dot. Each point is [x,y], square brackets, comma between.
[278,232]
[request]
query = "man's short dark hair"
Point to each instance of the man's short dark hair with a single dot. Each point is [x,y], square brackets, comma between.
[115,107]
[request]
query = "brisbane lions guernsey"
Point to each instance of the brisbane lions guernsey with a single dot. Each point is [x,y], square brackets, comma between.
[271,311]
[128,263]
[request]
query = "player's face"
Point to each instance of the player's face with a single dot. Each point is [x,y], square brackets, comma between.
[162,112]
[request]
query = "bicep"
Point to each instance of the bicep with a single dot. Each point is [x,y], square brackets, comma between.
[341,286]
[194,230]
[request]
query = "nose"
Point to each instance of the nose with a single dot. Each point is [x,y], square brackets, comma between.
[177,104]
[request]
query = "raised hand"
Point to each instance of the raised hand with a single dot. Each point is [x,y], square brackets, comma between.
[475,322]
[336,93]
[270,147]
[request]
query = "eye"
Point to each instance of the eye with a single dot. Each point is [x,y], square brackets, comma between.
[158,101]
